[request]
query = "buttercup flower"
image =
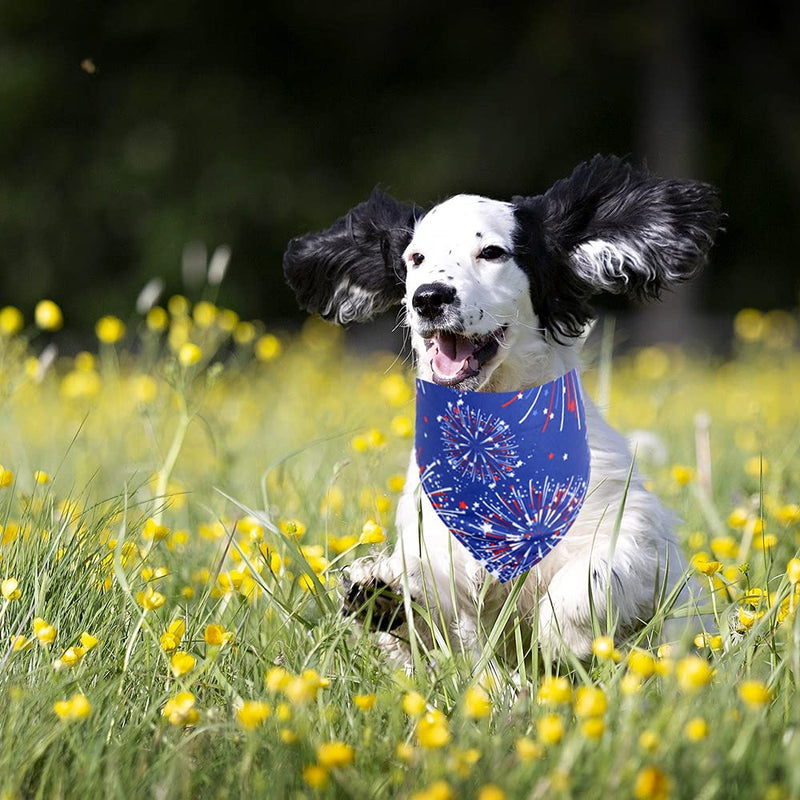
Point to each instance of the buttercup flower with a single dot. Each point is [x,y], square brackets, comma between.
[550,729]
[180,710]
[48,316]
[181,663]
[10,590]
[755,694]
[252,714]
[477,703]
[332,755]
[432,730]
[76,708]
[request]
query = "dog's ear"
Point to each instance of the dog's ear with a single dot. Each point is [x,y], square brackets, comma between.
[353,270]
[610,227]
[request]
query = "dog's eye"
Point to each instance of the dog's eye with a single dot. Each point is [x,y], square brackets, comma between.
[492,252]
[417,258]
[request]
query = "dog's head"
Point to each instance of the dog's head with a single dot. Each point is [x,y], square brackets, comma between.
[482,279]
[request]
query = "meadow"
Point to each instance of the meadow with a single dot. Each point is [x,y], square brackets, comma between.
[175,509]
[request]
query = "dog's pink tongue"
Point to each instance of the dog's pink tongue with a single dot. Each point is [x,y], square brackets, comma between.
[451,354]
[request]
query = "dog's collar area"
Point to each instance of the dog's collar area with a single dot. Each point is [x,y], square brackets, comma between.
[507,472]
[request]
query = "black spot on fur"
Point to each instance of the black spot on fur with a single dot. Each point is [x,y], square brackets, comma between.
[660,230]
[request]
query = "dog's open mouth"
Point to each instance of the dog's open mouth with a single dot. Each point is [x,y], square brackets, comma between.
[454,357]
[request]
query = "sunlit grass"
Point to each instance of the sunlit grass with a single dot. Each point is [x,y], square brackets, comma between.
[175,509]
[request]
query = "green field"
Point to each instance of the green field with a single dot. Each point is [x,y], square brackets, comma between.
[174,513]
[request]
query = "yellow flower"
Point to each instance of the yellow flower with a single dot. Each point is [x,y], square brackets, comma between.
[405,752]
[77,707]
[180,710]
[793,571]
[204,314]
[696,729]
[738,518]
[401,426]
[88,641]
[630,684]
[477,703]
[288,736]
[693,672]
[714,642]
[364,702]
[292,527]
[41,477]
[491,792]
[11,321]
[528,750]
[189,354]
[277,679]
[172,636]
[19,642]
[788,514]
[550,729]
[252,714]
[71,656]
[755,694]
[438,790]
[304,688]
[157,319]
[724,547]
[652,784]
[341,544]
[749,325]
[267,347]
[756,466]
[43,631]
[359,444]
[554,691]
[10,590]
[181,663]
[244,332]
[706,566]
[593,727]
[641,663]
[432,730]
[150,600]
[682,474]
[395,390]
[590,702]
[315,776]
[649,741]
[396,482]
[603,648]
[414,704]
[6,477]
[333,755]
[109,329]
[48,316]
[375,439]
[372,533]
[216,635]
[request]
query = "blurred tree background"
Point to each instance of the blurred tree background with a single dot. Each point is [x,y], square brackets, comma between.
[131,129]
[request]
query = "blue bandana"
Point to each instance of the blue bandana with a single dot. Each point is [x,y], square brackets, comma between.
[506,472]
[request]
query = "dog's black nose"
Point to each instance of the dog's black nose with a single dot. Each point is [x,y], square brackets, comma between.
[430,298]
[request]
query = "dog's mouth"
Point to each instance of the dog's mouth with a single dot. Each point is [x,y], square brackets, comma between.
[455,357]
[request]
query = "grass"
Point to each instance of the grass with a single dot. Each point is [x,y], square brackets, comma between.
[226,484]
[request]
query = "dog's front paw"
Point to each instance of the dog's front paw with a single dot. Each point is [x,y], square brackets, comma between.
[374,602]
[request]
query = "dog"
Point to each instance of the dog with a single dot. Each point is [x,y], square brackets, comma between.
[497,298]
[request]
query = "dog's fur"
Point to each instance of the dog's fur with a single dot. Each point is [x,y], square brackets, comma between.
[497,298]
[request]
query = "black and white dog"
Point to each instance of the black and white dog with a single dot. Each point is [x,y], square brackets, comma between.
[497,298]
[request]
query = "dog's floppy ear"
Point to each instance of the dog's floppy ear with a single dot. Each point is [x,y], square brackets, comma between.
[610,227]
[353,270]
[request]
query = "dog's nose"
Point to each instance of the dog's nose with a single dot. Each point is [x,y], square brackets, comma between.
[430,298]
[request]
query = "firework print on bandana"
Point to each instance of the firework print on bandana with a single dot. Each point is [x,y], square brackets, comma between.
[506,472]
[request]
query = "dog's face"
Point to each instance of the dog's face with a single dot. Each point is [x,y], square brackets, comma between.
[466,298]
[478,278]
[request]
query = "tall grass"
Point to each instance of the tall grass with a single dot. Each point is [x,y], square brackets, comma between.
[229,488]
